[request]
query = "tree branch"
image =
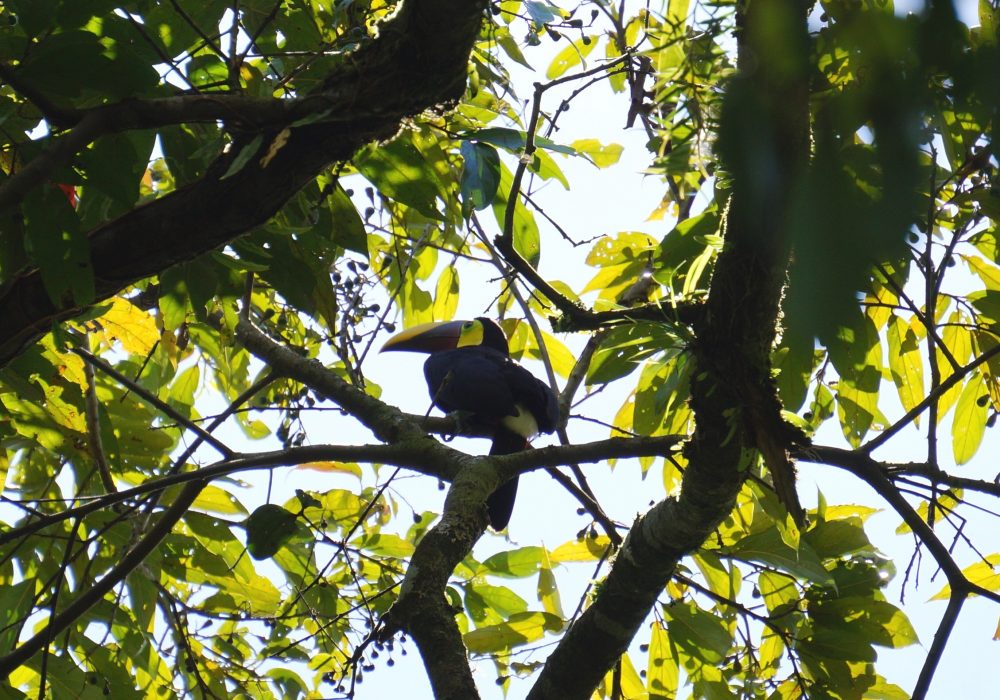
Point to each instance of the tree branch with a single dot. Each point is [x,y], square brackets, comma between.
[932,396]
[418,60]
[153,400]
[422,608]
[60,621]
[440,461]
[734,337]
[939,644]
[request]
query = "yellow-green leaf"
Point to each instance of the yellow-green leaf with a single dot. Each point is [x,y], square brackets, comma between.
[446,294]
[989,274]
[214,499]
[985,574]
[572,55]
[957,337]
[598,153]
[338,467]
[723,580]
[133,327]
[905,363]
[969,424]
[388,545]
[661,672]
[515,563]
[521,628]
[586,549]
[548,592]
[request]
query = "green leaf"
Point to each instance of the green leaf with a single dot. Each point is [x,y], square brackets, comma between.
[16,602]
[516,563]
[289,682]
[45,68]
[599,154]
[681,246]
[527,240]
[969,423]
[522,628]
[702,634]
[246,153]
[625,347]
[480,174]
[879,621]
[142,596]
[514,141]
[55,242]
[348,228]
[542,12]
[905,363]
[767,548]
[268,528]
[400,171]
[842,643]
[836,538]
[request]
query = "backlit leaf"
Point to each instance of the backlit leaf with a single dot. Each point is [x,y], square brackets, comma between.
[983,573]
[969,423]
[520,629]
[573,54]
[905,363]
[661,672]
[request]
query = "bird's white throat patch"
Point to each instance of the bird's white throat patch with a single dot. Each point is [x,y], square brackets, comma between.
[523,423]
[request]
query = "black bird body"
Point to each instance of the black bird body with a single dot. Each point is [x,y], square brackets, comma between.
[470,371]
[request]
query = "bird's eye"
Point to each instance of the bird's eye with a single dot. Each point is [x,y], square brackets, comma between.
[467,325]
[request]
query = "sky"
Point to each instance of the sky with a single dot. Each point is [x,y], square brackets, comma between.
[620,199]
[603,202]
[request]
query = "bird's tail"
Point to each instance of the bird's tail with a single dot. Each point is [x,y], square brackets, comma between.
[501,502]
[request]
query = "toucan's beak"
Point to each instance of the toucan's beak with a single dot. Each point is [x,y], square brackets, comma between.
[427,337]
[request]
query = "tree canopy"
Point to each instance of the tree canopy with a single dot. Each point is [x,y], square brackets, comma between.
[213,213]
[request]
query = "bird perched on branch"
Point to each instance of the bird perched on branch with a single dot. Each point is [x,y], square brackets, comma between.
[470,371]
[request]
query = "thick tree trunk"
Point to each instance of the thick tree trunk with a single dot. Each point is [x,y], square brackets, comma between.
[418,60]
[765,146]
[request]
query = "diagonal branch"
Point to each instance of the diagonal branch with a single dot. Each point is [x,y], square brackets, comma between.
[932,396]
[734,337]
[418,60]
[153,400]
[424,456]
[72,612]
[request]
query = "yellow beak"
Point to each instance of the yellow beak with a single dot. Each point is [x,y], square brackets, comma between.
[427,337]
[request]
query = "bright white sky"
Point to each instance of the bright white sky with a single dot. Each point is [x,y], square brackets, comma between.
[606,202]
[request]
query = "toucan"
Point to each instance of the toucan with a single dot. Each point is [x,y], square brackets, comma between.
[470,371]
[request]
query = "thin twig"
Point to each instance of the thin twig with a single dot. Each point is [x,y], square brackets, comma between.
[162,406]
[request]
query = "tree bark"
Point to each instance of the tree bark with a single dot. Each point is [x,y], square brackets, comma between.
[766,122]
[418,60]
